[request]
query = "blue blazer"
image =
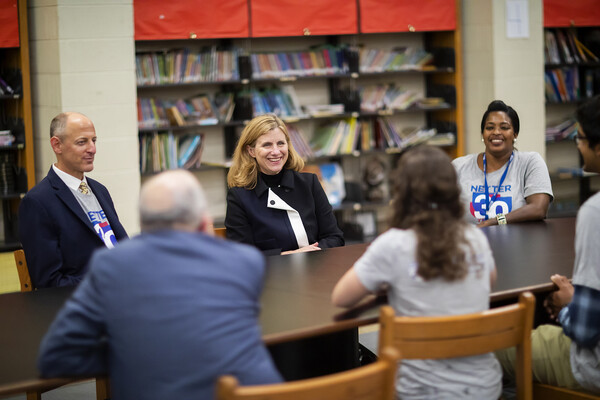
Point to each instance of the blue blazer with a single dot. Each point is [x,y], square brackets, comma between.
[165,314]
[57,236]
[249,220]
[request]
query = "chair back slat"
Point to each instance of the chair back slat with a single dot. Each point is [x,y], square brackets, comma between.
[220,232]
[23,271]
[371,382]
[465,335]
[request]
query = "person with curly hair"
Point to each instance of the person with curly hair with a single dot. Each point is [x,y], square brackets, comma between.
[431,262]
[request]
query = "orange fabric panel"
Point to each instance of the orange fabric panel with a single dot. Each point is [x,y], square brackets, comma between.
[561,13]
[162,20]
[9,23]
[293,17]
[378,16]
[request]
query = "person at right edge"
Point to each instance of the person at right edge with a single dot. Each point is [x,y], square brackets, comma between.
[503,185]
[569,355]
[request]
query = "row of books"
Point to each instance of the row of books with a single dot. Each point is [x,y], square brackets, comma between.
[397,59]
[564,130]
[213,65]
[562,85]
[349,135]
[185,65]
[386,97]
[161,151]
[281,101]
[325,60]
[199,110]
[562,46]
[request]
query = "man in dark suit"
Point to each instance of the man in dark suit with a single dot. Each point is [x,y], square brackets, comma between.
[67,216]
[167,312]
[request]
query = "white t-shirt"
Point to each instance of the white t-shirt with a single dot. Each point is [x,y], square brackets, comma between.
[527,175]
[391,260]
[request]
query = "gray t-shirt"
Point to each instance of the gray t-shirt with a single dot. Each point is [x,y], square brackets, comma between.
[585,363]
[391,260]
[527,175]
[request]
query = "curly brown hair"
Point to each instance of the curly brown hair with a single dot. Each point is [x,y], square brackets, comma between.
[427,200]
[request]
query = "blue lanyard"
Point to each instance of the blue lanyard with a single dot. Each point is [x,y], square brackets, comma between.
[488,201]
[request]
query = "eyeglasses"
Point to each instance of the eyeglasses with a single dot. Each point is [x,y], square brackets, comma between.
[579,138]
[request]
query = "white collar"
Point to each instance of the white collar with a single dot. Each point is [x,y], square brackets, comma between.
[69,180]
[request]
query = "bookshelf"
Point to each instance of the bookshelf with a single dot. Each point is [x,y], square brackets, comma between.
[16,133]
[320,77]
[572,74]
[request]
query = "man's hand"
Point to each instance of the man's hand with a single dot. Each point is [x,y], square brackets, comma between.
[559,298]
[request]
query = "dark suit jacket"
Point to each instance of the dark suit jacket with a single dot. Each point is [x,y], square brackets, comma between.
[249,220]
[57,236]
[165,314]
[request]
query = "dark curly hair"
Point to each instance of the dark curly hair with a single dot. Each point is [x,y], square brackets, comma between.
[499,105]
[427,200]
[588,116]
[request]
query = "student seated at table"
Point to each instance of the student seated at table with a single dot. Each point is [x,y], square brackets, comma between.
[168,312]
[503,185]
[270,203]
[569,355]
[431,262]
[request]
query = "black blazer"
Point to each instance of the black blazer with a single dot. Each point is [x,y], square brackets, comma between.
[57,236]
[249,220]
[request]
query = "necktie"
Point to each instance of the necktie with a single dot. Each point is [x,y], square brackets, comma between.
[83,188]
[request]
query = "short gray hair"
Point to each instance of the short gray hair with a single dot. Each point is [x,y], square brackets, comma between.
[172,200]
[58,125]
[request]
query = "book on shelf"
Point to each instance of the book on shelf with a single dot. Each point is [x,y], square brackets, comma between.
[299,142]
[193,159]
[203,111]
[442,139]
[585,53]
[225,104]
[563,130]
[323,110]
[396,59]
[562,84]
[5,88]
[281,101]
[386,97]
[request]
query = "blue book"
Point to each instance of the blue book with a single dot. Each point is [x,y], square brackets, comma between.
[186,149]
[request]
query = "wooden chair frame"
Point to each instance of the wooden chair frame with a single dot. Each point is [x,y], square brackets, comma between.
[373,381]
[23,271]
[220,232]
[465,335]
[548,392]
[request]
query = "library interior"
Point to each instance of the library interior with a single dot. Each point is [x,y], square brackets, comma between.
[171,85]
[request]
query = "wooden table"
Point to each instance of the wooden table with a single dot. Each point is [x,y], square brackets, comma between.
[296,302]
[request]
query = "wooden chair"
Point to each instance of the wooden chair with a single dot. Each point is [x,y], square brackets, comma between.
[220,232]
[547,392]
[23,271]
[465,335]
[102,384]
[373,381]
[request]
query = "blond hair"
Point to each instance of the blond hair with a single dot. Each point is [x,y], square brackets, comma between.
[244,168]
